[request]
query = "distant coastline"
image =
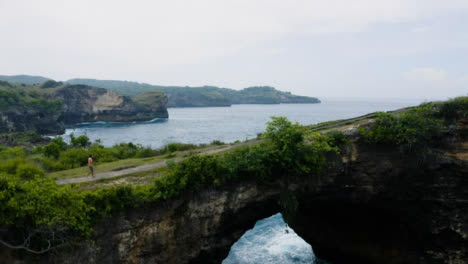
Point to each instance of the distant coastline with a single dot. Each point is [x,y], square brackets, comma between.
[184,96]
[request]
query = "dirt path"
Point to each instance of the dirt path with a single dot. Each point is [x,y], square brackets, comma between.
[146,167]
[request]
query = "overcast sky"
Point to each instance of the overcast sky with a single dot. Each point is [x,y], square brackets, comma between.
[332,48]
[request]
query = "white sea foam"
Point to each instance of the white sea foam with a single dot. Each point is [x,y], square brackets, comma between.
[270,242]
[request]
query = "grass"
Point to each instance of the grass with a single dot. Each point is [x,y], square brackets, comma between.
[124,164]
[138,178]
[351,121]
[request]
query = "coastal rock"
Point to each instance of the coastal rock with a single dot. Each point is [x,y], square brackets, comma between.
[371,205]
[19,119]
[90,104]
[48,110]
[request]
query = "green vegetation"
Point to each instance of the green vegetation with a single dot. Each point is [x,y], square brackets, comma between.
[26,99]
[52,215]
[416,128]
[455,108]
[148,98]
[38,215]
[25,79]
[51,84]
[201,96]
[26,139]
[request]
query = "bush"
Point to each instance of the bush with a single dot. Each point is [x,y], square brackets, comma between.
[74,158]
[193,172]
[173,147]
[417,128]
[59,141]
[124,150]
[81,141]
[11,165]
[28,172]
[338,139]
[146,152]
[52,165]
[51,84]
[106,202]
[217,143]
[455,108]
[52,150]
[38,207]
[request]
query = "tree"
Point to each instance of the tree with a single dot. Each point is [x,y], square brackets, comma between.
[52,150]
[81,141]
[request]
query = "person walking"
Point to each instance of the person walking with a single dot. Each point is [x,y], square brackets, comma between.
[90,165]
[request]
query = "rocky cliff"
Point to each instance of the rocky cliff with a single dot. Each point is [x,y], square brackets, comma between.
[372,204]
[48,110]
[19,119]
[89,104]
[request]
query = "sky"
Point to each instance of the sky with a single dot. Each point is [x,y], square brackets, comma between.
[332,48]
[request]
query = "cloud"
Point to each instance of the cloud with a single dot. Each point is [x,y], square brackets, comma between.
[426,74]
[293,45]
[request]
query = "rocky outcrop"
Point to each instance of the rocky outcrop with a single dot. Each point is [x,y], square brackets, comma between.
[385,207]
[89,104]
[371,205]
[20,119]
[50,109]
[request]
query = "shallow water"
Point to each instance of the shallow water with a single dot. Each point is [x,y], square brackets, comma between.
[227,124]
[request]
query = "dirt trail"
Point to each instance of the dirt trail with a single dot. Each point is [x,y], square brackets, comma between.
[146,167]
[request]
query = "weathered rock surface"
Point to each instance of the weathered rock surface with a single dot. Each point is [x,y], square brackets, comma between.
[372,205]
[76,104]
[89,104]
[21,120]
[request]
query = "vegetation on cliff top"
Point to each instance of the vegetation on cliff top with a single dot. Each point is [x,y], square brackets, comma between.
[202,96]
[37,215]
[52,215]
[417,128]
[26,100]
[180,96]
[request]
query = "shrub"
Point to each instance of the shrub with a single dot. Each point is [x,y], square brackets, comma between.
[338,139]
[417,128]
[217,143]
[81,141]
[11,165]
[172,147]
[455,108]
[193,172]
[124,150]
[52,165]
[146,152]
[37,207]
[28,172]
[51,84]
[52,150]
[74,158]
[59,141]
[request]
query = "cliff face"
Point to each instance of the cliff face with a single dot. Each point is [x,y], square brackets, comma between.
[89,104]
[47,111]
[202,96]
[371,205]
[19,119]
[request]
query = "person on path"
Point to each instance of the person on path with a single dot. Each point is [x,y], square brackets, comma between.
[90,165]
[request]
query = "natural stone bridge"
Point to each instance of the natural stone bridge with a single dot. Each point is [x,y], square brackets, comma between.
[371,205]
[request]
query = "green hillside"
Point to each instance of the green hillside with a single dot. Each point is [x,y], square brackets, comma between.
[26,79]
[184,96]
[180,96]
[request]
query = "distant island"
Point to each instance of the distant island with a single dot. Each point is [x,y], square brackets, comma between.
[185,96]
